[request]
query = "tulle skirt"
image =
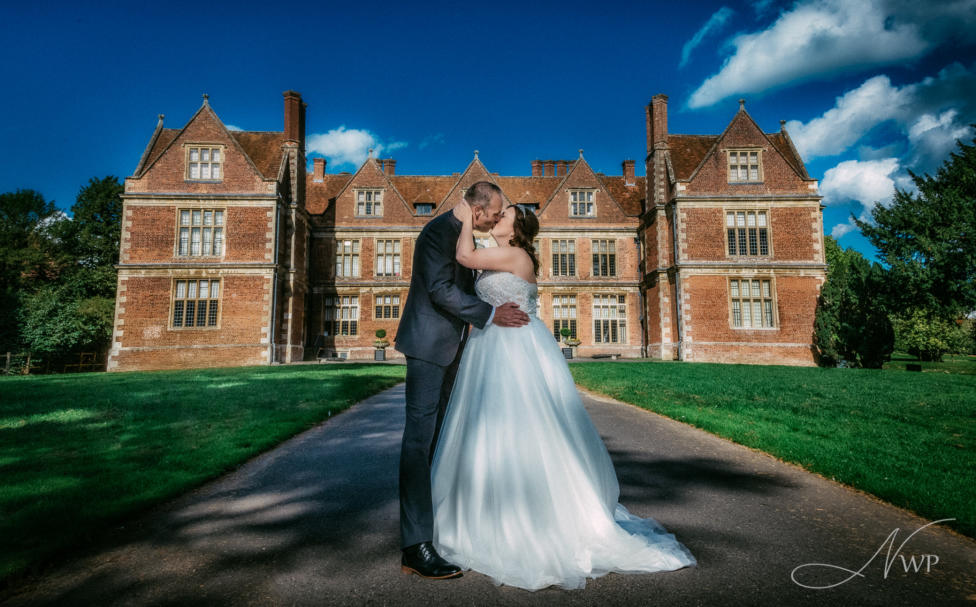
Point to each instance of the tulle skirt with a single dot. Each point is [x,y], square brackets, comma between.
[523,487]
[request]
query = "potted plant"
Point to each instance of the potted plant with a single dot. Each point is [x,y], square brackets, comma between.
[568,352]
[380,344]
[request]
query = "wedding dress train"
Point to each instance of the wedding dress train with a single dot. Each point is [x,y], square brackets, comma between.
[523,487]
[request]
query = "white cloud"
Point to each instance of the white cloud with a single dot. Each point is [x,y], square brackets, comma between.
[820,38]
[349,146]
[854,114]
[868,182]
[934,137]
[233,127]
[714,23]
[931,114]
[843,228]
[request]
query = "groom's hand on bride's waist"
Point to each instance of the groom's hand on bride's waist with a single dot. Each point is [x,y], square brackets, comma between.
[509,315]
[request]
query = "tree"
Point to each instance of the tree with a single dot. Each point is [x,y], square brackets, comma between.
[89,242]
[25,243]
[927,336]
[928,240]
[851,323]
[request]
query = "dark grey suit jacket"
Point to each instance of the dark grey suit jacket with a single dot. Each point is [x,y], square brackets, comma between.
[441,301]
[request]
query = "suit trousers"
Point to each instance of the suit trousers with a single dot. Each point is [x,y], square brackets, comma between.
[428,392]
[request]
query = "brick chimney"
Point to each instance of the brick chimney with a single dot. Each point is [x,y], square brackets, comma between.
[560,168]
[318,170]
[657,121]
[537,168]
[628,166]
[389,166]
[549,168]
[294,117]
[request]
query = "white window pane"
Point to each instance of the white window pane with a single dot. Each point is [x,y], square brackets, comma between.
[355,266]
[204,289]
[196,218]
[194,170]
[751,220]
[184,218]
[192,289]
[219,218]
[218,241]
[194,154]
[740,219]
[215,155]
[754,173]
[734,287]
[762,219]
[208,218]
[180,289]
[215,171]
[184,240]
[195,241]
[205,171]
[214,289]
[205,155]
[765,287]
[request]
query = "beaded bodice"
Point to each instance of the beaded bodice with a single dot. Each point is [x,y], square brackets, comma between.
[498,288]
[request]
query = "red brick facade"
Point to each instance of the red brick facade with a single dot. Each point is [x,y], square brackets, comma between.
[640,266]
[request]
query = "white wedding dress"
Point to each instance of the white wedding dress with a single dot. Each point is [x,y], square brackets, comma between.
[523,487]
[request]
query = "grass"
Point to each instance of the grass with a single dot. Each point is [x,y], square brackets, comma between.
[908,438]
[950,363]
[79,452]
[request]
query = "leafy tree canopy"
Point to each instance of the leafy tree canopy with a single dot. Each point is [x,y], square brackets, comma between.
[928,239]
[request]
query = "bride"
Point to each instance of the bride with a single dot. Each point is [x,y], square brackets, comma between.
[523,487]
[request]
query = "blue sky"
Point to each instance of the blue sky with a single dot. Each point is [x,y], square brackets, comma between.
[871,89]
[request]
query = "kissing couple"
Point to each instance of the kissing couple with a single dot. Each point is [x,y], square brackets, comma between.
[501,469]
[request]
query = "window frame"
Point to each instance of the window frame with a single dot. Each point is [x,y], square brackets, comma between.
[336,310]
[210,147]
[374,191]
[772,312]
[621,319]
[396,255]
[572,321]
[355,255]
[173,300]
[203,227]
[768,228]
[395,306]
[591,202]
[573,269]
[611,256]
[758,151]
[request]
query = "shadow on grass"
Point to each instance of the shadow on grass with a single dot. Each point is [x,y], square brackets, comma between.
[328,504]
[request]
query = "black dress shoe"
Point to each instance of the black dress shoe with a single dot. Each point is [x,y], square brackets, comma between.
[423,560]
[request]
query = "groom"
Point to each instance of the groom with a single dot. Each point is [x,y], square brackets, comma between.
[433,328]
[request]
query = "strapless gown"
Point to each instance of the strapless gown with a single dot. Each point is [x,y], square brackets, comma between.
[523,487]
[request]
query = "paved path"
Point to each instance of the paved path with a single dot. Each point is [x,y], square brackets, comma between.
[314,522]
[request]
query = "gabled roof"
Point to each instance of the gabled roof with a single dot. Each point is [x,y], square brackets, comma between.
[371,162]
[629,197]
[261,149]
[528,189]
[688,152]
[474,165]
[580,164]
[416,188]
[318,195]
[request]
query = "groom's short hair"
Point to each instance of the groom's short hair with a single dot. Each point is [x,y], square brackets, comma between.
[481,193]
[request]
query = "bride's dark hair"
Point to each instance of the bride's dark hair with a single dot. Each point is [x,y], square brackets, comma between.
[526,227]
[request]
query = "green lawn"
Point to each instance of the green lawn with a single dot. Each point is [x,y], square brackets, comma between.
[906,437]
[950,363]
[78,452]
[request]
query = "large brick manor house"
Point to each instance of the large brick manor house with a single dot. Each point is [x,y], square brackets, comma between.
[233,254]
